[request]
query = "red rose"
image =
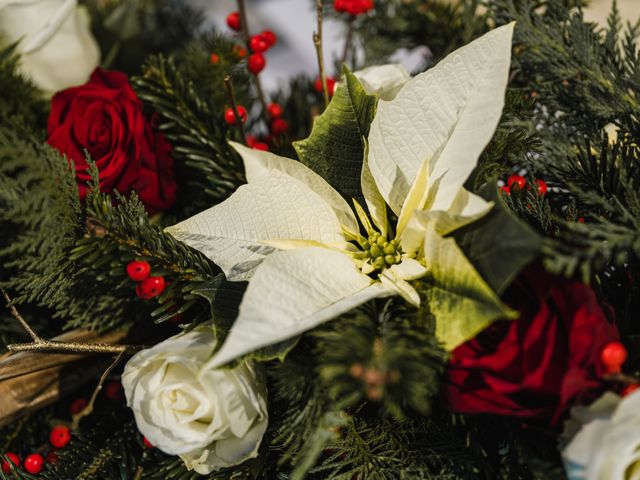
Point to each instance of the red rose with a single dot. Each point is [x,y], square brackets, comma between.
[535,366]
[105,118]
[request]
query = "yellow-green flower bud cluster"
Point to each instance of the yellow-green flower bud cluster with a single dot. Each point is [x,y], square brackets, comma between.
[380,252]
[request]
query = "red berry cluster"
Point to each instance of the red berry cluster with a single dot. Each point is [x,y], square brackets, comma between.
[148,286]
[59,437]
[258,44]
[517,183]
[353,7]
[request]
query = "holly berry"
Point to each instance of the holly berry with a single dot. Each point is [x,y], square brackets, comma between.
[13,458]
[215,59]
[331,84]
[269,37]
[60,436]
[517,180]
[138,270]
[261,146]
[541,187]
[230,116]
[258,44]
[147,443]
[34,463]
[113,390]
[52,457]
[340,5]
[78,405]
[505,191]
[275,110]
[629,389]
[613,355]
[256,63]
[239,51]
[279,126]
[153,286]
[234,21]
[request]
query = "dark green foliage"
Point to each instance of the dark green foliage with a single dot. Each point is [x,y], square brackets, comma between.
[188,94]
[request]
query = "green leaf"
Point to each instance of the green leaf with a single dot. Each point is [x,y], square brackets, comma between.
[335,148]
[224,298]
[460,300]
[499,245]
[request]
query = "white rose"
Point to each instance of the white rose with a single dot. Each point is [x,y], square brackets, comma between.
[212,418]
[383,80]
[56,47]
[607,447]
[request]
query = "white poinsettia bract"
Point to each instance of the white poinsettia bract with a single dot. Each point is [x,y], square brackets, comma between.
[298,242]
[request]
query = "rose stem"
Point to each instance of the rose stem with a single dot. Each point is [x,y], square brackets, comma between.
[246,37]
[317,41]
[231,98]
[41,345]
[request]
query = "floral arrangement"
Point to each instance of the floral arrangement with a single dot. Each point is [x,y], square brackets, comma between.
[373,273]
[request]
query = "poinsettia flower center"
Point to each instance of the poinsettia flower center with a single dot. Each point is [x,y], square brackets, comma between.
[380,252]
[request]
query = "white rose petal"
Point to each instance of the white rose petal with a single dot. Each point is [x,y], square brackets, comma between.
[212,418]
[55,43]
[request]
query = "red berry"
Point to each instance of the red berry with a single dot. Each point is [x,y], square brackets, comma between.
[138,270]
[60,436]
[331,84]
[52,457]
[505,191]
[340,5]
[613,355]
[140,293]
[147,443]
[78,405]
[580,220]
[257,44]
[239,51]
[269,37]
[234,22]
[275,110]
[215,59]
[629,389]
[34,463]
[230,116]
[113,390]
[15,459]
[541,187]
[517,180]
[279,126]
[256,63]
[153,286]
[261,146]
[251,141]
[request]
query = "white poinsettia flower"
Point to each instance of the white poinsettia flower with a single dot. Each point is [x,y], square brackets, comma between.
[383,80]
[298,242]
[607,447]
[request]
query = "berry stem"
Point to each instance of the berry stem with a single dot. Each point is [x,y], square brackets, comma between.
[14,311]
[348,41]
[317,41]
[247,41]
[231,98]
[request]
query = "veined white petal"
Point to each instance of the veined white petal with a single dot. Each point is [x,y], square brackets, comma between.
[291,292]
[416,198]
[383,80]
[278,207]
[259,164]
[447,115]
[409,269]
[375,203]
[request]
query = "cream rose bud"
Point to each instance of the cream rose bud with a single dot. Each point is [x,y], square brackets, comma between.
[212,418]
[56,47]
[607,446]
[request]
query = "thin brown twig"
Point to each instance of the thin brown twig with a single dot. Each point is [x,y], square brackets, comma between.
[244,28]
[231,98]
[41,345]
[14,311]
[348,40]
[317,41]
[89,408]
